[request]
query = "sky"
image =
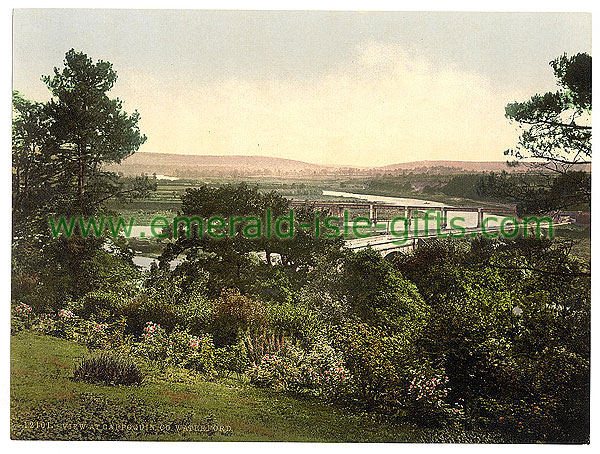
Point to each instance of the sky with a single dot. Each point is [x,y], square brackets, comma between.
[345,88]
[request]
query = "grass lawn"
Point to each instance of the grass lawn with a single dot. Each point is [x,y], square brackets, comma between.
[170,405]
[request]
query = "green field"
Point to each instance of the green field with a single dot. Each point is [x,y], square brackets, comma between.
[46,403]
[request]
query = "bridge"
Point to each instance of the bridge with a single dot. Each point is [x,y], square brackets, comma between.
[382,239]
[376,208]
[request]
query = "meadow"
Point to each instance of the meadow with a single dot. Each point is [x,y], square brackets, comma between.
[48,404]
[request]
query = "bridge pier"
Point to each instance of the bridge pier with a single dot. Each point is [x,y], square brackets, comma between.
[479,217]
[373,214]
[444,221]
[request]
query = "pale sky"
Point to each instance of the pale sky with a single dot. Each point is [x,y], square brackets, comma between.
[359,89]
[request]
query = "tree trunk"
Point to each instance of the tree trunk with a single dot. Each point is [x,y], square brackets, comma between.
[80,176]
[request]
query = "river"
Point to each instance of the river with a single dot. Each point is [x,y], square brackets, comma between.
[385,199]
[468,218]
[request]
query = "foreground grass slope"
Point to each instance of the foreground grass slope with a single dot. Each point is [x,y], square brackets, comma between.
[46,403]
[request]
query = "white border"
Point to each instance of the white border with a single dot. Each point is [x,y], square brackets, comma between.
[354,5]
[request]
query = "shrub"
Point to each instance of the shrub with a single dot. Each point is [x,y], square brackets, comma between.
[97,335]
[109,368]
[273,284]
[170,300]
[236,314]
[322,371]
[22,317]
[65,324]
[99,303]
[154,343]
[295,320]
[525,372]
[279,371]
[191,352]
[379,295]
[428,401]
[105,334]
[202,356]
[232,358]
[178,348]
[319,372]
[149,305]
[379,364]
[196,314]
[44,323]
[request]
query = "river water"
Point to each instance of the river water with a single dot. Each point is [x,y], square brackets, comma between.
[467,219]
[385,199]
[146,262]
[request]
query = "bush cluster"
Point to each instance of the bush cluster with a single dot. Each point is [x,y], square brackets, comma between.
[482,335]
[319,372]
[109,368]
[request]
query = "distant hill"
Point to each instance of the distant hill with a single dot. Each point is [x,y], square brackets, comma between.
[178,165]
[190,166]
[464,166]
[468,166]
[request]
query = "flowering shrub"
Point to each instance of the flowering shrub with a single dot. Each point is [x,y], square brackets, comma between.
[152,332]
[22,317]
[322,371]
[103,334]
[65,314]
[45,323]
[379,365]
[279,371]
[97,335]
[154,343]
[65,324]
[427,400]
[191,352]
[318,372]
[202,355]
[178,348]
[429,390]
[23,309]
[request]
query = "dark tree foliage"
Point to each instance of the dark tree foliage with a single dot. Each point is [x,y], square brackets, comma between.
[556,136]
[378,294]
[89,129]
[228,257]
[34,175]
[538,193]
[510,325]
[59,150]
[556,126]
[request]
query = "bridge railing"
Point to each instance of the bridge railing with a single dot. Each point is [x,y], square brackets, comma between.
[374,209]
